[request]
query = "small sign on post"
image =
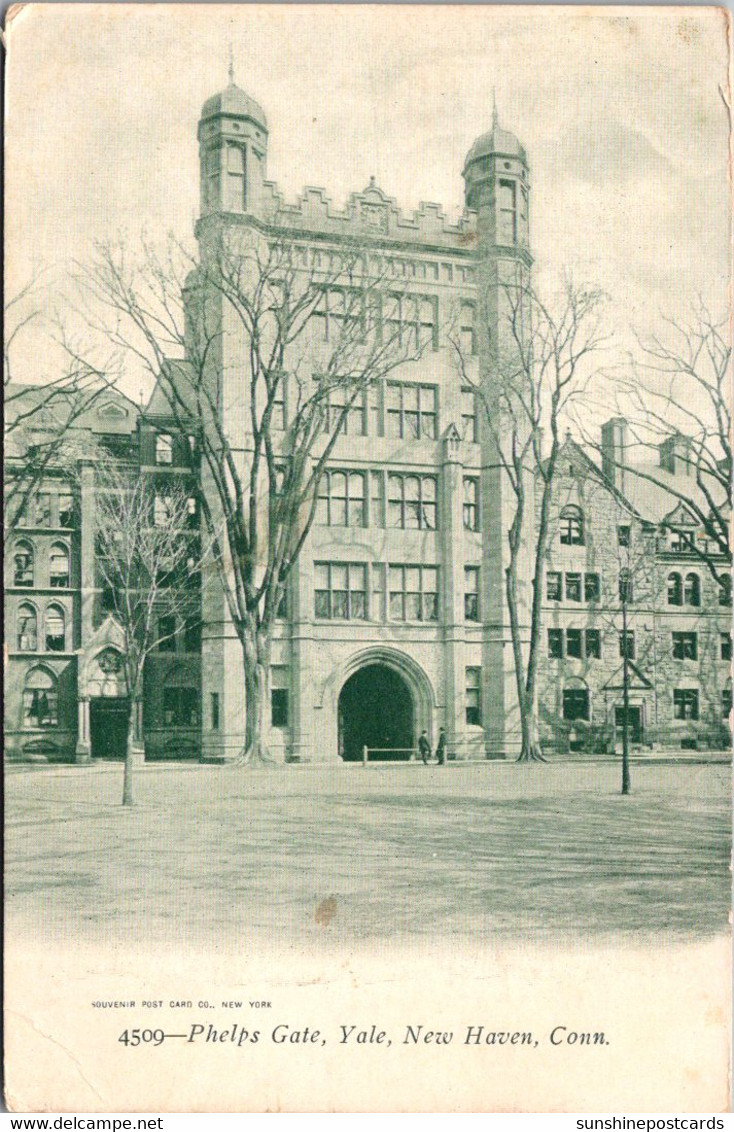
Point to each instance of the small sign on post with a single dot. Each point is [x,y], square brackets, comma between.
[364,755]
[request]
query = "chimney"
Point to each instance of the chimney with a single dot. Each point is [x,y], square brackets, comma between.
[675,455]
[614,450]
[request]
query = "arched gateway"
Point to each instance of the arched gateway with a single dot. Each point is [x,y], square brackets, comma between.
[384,703]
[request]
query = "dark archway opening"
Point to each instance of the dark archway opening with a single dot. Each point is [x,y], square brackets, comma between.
[376,711]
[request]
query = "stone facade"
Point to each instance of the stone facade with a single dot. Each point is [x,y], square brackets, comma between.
[396,620]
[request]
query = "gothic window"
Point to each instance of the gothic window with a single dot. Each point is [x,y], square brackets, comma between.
[23,565]
[58,566]
[40,699]
[675,589]
[27,628]
[693,590]
[55,629]
[572,526]
[341,501]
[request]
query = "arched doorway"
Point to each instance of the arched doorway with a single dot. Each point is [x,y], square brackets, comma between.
[376,710]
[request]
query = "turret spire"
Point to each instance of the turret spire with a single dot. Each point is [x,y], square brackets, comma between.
[231,64]
[495,116]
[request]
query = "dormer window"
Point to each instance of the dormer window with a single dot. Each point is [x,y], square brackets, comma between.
[235,199]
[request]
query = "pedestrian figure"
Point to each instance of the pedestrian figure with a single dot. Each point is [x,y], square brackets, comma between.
[424,748]
[441,747]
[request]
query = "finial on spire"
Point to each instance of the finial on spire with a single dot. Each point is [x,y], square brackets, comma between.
[231,63]
[495,116]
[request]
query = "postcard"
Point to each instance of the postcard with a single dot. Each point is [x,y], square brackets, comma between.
[368,575]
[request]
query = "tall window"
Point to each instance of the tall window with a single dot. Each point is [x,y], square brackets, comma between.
[341,501]
[625,586]
[572,526]
[593,644]
[623,536]
[277,410]
[412,502]
[627,644]
[693,590]
[180,707]
[279,696]
[592,587]
[685,703]
[214,701]
[58,566]
[469,430]
[163,448]
[55,629]
[573,587]
[675,589]
[507,213]
[471,593]
[43,509]
[467,335]
[555,644]
[685,646]
[725,639]
[23,565]
[474,697]
[350,408]
[167,633]
[40,700]
[471,503]
[236,198]
[161,510]
[340,591]
[27,628]
[553,584]
[575,704]
[725,590]
[411,320]
[411,411]
[573,643]
[413,593]
[66,510]
[212,172]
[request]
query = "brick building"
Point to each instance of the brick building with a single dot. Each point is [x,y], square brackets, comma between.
[396,620]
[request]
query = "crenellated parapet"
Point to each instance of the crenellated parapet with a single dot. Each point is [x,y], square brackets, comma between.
[369,214]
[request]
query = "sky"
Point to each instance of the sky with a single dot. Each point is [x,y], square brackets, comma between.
[622,111]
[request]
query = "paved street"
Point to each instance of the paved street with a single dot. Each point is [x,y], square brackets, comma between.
[342,856]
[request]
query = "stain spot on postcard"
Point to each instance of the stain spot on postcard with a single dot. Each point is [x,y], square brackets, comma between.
[326,911]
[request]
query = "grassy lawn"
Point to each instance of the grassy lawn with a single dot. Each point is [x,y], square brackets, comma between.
[342,856]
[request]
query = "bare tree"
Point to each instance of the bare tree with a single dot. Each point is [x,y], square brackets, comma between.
[148,558]
[541,360]
[310,332]
[41,418]
[681,391]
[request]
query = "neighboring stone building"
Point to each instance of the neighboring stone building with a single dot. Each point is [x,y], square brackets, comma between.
[396,619]
[626,536]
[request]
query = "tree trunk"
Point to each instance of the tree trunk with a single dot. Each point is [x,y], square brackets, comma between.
[257,698]
[530,751]
[127,777]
